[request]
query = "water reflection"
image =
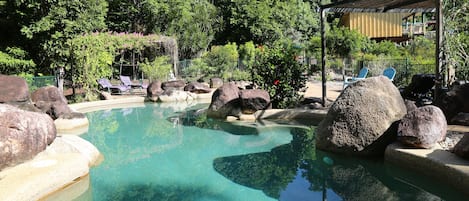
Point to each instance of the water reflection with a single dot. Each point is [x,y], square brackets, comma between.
[281,172]
[160,151]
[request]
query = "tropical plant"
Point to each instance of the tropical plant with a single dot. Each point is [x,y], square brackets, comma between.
[277,71]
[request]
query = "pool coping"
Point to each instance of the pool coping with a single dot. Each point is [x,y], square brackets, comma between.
[444,165]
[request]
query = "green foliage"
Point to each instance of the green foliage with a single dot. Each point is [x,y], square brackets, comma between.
[277,71]
[240,75]
[158,69]
[197,70]
[55,22]
[344,42]
[93,54]
[222,60]
[194,22]
[266,21]
[383,48]
[422,47]
[247,54]
[456,13]
[14,61]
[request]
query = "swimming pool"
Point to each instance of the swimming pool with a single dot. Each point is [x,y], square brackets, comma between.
[165,152]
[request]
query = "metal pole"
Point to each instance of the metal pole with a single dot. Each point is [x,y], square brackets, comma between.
[438,52]
[323,57]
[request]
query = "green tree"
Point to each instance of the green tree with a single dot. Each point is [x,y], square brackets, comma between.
[456,36]
[48,25]
[266,21]
[343,42]
[194,22]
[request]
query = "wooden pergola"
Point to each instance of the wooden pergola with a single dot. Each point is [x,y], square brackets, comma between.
[399,6]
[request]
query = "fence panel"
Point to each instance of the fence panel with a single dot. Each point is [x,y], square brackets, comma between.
[43,81]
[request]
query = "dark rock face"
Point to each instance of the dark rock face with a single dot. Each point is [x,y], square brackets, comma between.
[422,127]
[14,89]
[225,102]
[51,101]
[420,86]
[360,120]
[216,82]
[23,134]
[197,87]
[410,105]
[462,147]
[253,100]
[174,84]
[455,101]
[154,89]
[461,119]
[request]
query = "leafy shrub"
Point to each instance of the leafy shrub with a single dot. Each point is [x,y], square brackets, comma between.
[13,61]
[222,60]
[197,69]
[277,72]
[158,69]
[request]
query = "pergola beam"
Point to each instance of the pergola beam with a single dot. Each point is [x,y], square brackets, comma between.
[403,6]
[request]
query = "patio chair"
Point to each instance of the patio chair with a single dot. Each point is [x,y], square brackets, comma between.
[361,75]
[390,73]
[106,84]
[127,82]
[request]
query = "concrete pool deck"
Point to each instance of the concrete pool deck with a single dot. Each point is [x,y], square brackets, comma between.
[55,169]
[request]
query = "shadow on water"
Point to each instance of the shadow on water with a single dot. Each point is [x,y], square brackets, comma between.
[348,177]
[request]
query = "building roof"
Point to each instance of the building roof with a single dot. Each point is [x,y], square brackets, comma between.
[401,6]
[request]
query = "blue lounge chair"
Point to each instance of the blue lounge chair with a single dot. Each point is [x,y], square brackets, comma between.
[361,75]
[390,73]
[127,82]
[106,84]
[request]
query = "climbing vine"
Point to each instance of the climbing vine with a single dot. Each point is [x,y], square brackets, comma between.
[92,55]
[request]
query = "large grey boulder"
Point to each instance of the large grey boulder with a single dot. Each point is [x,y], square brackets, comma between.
[51,100]
[422,127]
[225,102]
[253,100]
[13,89]
[360,120]
[23,134]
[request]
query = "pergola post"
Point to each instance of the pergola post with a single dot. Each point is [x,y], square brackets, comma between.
[323,56]
[438,51]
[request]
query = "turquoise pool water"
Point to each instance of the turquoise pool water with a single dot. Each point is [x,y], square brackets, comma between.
[166,152]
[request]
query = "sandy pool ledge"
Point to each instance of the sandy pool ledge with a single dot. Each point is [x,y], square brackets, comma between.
[436,162]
